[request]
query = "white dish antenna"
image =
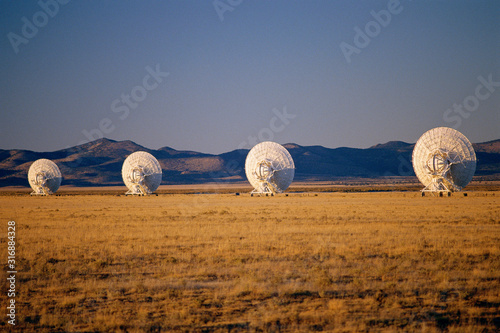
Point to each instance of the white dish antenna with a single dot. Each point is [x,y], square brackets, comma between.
[444,160]
[269,168]
[141,173]
[44,177]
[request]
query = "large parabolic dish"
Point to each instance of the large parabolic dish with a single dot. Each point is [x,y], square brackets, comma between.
[141,173]
[444,160]
[44,177]
[269,168]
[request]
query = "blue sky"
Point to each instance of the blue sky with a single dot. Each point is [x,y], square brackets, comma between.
[213,76]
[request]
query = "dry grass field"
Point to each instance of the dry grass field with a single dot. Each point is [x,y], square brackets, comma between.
[339,262]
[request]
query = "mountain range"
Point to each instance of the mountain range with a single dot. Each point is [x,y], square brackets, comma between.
[99,163]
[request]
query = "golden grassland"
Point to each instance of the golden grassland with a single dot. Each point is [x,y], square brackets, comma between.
[392,261]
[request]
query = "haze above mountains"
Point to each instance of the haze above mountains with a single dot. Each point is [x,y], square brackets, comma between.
[99,163]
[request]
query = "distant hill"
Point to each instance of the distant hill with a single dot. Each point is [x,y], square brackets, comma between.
[396,145]
[99,163]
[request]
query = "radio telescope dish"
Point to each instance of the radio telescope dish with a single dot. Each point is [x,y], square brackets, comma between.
[44,177]
[269,168]
[444,160]
[141,173]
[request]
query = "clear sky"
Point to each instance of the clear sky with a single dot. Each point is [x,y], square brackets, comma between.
[213,76]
